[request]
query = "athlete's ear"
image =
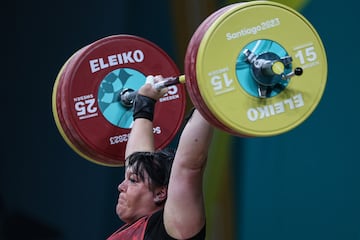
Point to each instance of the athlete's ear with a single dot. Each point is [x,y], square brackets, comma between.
[160,194]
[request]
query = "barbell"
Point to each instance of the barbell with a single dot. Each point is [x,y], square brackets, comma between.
[252,69]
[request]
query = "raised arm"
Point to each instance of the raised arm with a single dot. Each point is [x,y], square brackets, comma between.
[184,213]
[141,136]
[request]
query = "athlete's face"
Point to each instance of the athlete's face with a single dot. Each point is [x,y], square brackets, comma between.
[135,198]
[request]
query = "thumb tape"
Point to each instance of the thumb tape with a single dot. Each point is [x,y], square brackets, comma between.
[150,79]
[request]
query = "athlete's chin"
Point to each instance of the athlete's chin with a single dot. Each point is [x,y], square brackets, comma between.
[119,210]
[122,209]
[121,214]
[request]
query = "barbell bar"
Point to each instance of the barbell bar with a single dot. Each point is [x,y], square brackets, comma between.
[239,71]
[127,95]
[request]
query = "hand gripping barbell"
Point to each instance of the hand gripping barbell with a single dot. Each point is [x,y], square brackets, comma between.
[238,72]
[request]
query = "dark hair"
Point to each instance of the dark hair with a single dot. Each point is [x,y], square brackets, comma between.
[156,164]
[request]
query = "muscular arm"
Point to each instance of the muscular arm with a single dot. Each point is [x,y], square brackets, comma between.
[141,136]
[184,213]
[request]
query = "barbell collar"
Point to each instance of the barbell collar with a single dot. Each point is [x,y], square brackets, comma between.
[297,72]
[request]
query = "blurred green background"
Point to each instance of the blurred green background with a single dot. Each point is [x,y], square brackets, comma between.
[303,184]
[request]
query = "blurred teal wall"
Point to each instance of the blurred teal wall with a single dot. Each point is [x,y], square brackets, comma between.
[305,184]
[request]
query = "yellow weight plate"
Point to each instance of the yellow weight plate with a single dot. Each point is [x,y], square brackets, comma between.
[222,47]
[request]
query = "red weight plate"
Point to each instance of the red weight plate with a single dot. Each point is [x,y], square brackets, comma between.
[190,66]
[190,69]
[90,111]
[69,136]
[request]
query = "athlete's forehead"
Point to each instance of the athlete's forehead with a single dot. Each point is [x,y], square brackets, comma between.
[129,169]
[134,170]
